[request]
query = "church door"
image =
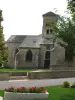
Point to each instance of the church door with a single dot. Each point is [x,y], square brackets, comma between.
[47,59]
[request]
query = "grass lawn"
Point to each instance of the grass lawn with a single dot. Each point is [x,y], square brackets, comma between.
[57,93]
[15,70]
[1,93]
[23,70]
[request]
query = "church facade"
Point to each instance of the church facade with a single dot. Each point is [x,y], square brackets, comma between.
[31,51]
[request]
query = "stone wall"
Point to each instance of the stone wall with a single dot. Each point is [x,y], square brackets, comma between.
[50,75]
[18,73]
[21,58]
[11,51]
[63,67]
[6,75]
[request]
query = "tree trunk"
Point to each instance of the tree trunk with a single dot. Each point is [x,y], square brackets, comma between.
[0,64]
[69,53]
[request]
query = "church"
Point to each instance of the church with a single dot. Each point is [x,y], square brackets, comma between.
[36,51]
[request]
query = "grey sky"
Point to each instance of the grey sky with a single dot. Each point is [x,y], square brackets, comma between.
[25,16]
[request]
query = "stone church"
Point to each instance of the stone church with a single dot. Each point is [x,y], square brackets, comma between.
[31,51]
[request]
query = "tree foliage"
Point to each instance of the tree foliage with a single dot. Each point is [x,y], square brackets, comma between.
[3,51]
[71,8]
[65,31]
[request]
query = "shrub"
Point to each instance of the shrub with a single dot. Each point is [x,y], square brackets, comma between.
[73,85]
[26,90]
[66,84]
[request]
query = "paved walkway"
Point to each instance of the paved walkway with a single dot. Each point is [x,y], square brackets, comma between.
[28,83]
[1,98]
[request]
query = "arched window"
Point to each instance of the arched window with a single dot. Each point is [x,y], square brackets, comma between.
[47,55]
[29,55]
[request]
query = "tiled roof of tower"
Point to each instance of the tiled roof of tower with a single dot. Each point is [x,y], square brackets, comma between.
[16,38]
[49,14]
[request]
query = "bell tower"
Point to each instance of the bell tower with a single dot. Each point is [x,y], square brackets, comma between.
[48,19]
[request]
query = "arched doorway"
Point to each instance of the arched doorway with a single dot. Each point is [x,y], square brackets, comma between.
[47,59]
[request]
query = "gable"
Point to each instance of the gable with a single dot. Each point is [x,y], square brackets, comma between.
[49,14]
[16,38]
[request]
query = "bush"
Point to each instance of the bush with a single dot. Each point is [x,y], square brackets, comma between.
[73,85]
[66,84]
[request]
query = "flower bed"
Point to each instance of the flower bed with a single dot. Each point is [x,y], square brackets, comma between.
[22,93]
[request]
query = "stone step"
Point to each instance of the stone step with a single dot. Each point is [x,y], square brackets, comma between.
[18,77]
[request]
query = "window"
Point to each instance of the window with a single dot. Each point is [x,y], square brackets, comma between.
[47,24]
[29,55]
[47,31]
[51,30]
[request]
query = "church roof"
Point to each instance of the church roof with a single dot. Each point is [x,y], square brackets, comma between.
[31,41]
[16,38]
[49,14]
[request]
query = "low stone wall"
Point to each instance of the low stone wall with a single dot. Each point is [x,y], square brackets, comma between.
[50,75]
[4,76]
[7,75]
[18,73]
[63,67]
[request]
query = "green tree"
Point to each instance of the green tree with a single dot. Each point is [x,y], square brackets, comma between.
[3,51]
[71,8]
[65,31]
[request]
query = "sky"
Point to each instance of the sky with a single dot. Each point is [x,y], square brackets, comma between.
[24,17]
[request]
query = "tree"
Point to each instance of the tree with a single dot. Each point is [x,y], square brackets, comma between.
[71,8]
[65,31]
[3,51]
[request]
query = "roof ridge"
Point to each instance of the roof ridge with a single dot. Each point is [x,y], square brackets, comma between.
[50,13]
